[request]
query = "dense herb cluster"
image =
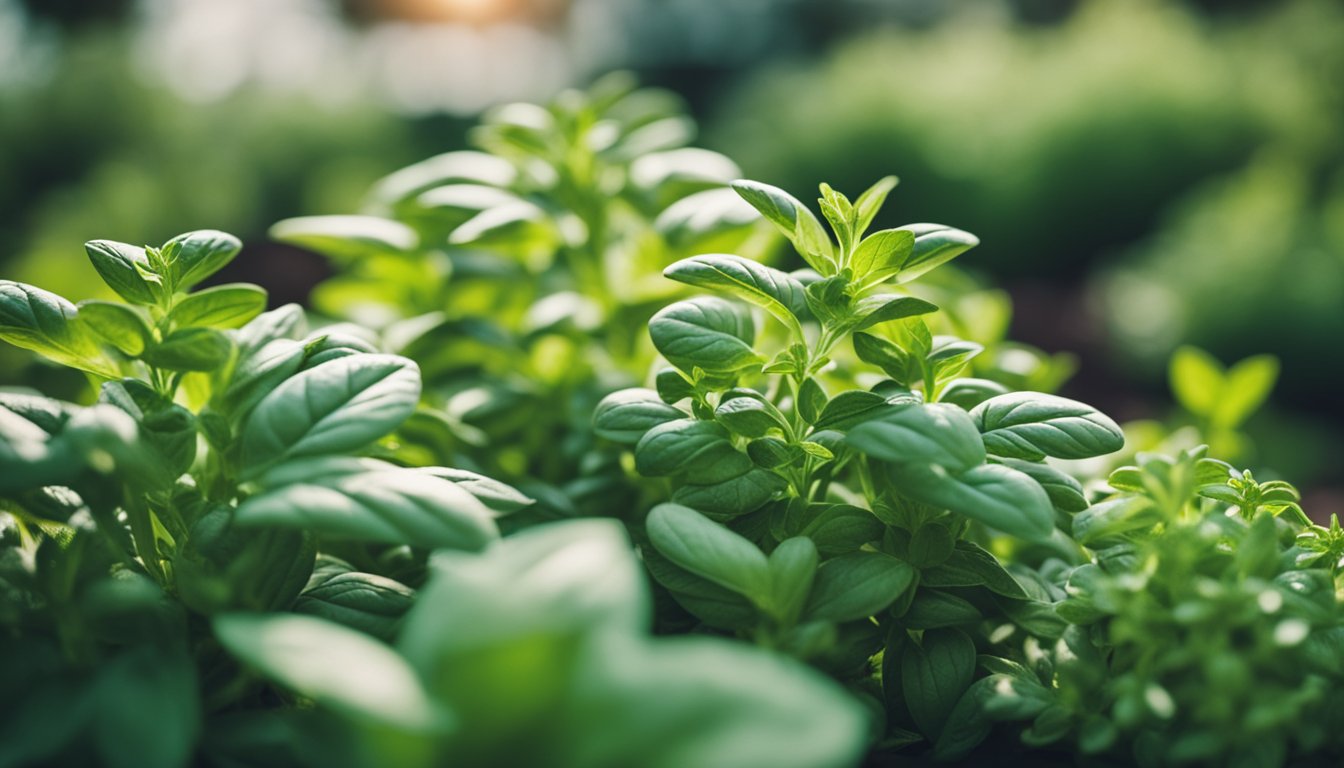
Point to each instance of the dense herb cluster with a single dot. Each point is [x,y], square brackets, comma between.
[885,532]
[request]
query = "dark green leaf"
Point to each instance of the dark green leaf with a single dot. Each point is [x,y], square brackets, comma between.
[711,551]
[993,494]
[125,269]
[49,325]
[929,434]
[626,415]
[1031,426]
[706,332]
[857,585]
[934,675]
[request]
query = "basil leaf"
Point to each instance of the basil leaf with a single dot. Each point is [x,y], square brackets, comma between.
[934,674]
[886,307]
[47,324]
[330,665]
[339,406]
[223,306]
[116,324]
[500,498]
[200,254]
[393,506]
[870,202]
[625,416]
[190,349]
[748,413]
[794,219]
[706,332]
[881,255]
[743,493]
[891,358]
[993,494]
[698,448]
[793,566]
[766,287]
[709,550]
[969,565]
[935,609]
[716,606]
[1031,426]
[347,238]
[968,393]
[935,245]
[125,269]
[857,585]
[364,601]
[930,434]
[1064,491]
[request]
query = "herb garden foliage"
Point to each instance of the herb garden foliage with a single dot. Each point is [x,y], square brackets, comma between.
[851,500]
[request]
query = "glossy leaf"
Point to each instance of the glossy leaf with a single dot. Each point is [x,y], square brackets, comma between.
[709,550]
[993,494]
[794,219]
[200,254]
[1031,426]
[930,434]
[47,324]
[116,324]
[706,332]
[125,269]
[766,287]
[223,306]
[857,585]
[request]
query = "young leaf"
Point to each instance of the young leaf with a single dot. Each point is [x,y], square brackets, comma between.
[125,270]
[811,399]
[794,220]
[200,254]
[1031,426]
[1247,385]
[711,333]
[699,448]
[766,287]
[793,566]
[935,245]
[223,306]
[338,406]
[885,307]
[749,414]
[892,359]
[709,550]
[936,433]
[116,324]
[1064,491]
[347,238]
[857,585]
[881,255]
[870,202]
[1196,380]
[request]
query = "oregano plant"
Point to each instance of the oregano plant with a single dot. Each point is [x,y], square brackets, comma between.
[842,523]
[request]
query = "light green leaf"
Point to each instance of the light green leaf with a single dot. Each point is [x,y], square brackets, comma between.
[885,307]
[1031,426]
[201,254]
[347,239]
[116,324]
[340,668]
[936,433]
[794,219]
[793,566]
[223,306]
[709,550]
[1247,385]
[766,287]
[1196,380]
[935,245]
[881,255]
[857,585]
[190,349]
[870,202]
[367,602]
[123,267]
[47,324]
[338,406]
[894,360]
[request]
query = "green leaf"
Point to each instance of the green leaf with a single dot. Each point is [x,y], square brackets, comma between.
[336,407]
[223,306]
[190,349]
[748,413]
[716,606]
[970,565]
[934,674]
[1196,380]
[811,400]
[625,416]
[793,566]
[857,585]
[935,609]
[881,255]
[47,324]
[347,239]
[870,202]
[686,446]
[338,668]
[367,602]
[1246,387]
[392,505]
[936,433]
[969,392]
[166,427]
[854,407]
[1031,426]
[1064,491]
[772,452]
[149,709]
[1115,517]
[125,269]
[711,333]
[738,495]
[949,355]
[259,373]
[709,550]
[766,287]
[967,724]
[500,498]
[794,219]
[835,528]
[892,359]
[993,494]
[201,254]
[116,324]
[935,245]
[885,307]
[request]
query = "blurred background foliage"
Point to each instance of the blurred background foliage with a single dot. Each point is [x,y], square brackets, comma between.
[1142,174]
